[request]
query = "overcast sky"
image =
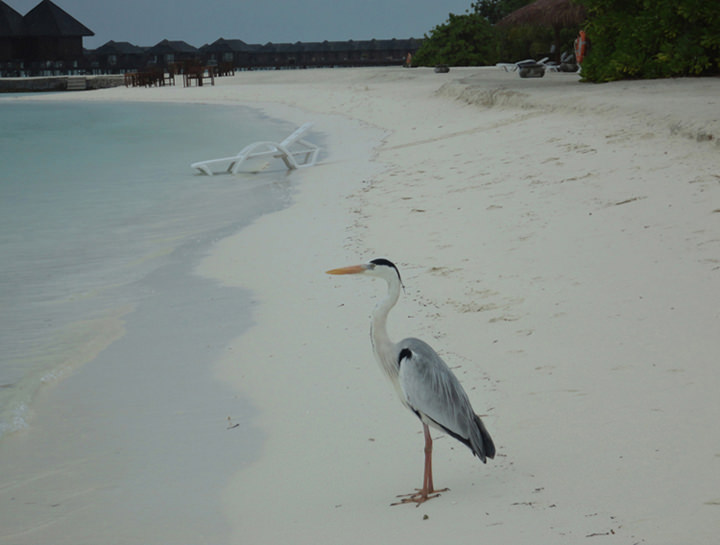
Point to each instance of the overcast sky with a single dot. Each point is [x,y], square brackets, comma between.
[146,22]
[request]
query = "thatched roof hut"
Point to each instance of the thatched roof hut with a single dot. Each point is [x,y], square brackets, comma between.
[119,48]
[117,57]
[169,52]
[51,34]
[554,14]
[233,51]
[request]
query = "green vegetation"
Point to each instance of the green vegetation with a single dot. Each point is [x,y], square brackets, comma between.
[464,40]
[473,39]
[627,38]
[652,39]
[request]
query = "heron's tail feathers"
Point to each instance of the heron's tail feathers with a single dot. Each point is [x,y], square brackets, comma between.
[483,447]
[479,441]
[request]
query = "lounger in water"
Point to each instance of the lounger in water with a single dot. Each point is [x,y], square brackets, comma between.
[294,152]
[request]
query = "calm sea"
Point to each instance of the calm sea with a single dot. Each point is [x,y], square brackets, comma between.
[98,205]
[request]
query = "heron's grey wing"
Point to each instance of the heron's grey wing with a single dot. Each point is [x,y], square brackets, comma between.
[436,395]
[431,387]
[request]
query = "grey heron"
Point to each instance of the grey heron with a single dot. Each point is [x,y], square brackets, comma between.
[423,381]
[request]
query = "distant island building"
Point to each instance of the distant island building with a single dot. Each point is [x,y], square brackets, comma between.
[116,57]
[48,41]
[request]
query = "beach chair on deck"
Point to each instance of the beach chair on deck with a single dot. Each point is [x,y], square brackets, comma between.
[293,151]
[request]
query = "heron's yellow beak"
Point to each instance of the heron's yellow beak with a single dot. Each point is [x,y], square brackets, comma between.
[354,269]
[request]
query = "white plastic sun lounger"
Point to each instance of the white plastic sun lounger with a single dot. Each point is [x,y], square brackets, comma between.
[294,152]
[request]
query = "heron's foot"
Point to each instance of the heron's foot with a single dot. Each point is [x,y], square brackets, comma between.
[419,496]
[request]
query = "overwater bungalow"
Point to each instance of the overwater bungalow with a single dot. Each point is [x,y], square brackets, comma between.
[117,57]
[47,40]
[11,32]
[236,53]
[324,54]
[169,53]
[53,37]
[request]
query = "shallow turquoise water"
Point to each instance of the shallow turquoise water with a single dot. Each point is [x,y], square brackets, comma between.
[97,201]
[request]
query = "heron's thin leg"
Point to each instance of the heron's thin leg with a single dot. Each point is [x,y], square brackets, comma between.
[427,492]
[427,479]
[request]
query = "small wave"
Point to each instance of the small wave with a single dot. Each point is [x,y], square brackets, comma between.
[80,343]
[13,419]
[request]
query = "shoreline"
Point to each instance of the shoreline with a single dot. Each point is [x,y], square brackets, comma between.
[560,252]
[65,502]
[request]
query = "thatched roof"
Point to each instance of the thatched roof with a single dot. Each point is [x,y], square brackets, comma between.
[550,13]
[119,48]
[221,45]
[10,21]
[172,46]
[47,19]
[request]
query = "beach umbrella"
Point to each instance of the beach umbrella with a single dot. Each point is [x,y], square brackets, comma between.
[555,14]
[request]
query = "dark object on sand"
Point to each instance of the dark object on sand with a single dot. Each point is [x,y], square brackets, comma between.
[442,69]
[531,70]
[568,62]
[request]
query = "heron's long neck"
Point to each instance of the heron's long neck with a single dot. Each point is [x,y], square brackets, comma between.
[382,345]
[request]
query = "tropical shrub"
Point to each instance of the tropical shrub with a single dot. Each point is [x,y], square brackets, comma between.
[463,40]
[651,39]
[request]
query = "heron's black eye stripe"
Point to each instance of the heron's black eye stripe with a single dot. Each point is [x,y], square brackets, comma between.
[405,353]
[383,261]
[387,263]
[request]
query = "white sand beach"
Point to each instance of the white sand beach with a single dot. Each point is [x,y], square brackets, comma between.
[560,248]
